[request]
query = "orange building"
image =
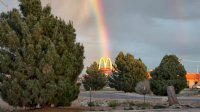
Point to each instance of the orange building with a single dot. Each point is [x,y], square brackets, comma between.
[192,79]
[149,75]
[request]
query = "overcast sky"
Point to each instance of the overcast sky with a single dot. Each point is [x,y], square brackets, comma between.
[148,29]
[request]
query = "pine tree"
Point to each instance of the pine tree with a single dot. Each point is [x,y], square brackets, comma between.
[128,72]
[116,80]
[43,61]
[170,72]
[94,79]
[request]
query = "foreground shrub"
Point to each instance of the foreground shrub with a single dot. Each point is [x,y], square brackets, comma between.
[113,103]
[41,61]
[128,72]
[170,72]
[94,78]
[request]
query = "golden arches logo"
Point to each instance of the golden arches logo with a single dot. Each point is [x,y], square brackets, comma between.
[105,61]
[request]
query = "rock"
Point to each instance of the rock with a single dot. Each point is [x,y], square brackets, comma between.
[52,105]
[38,106]
[164,99]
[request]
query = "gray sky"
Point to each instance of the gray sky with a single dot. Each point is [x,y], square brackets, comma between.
[148,29]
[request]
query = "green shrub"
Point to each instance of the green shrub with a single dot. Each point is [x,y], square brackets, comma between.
[40,51]
[60,94]
[92,104]
[94,78]
[170,72]
[113,103]
[128,72]
[131,103]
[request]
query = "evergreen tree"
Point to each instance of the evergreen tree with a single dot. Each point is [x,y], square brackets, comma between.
[128,72]
[42,61]
[94,79]
[170,72]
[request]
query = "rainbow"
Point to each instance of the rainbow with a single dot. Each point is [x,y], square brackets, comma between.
[101,27]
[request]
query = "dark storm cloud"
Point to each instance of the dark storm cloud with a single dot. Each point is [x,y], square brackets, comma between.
[167,24]
[165,9]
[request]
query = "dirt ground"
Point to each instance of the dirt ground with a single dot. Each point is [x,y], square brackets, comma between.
[87,109]
[78,106]
[66,109]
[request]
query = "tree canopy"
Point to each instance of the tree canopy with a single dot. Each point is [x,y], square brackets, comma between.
[94,79]
[128,72]
[170,72]
[47,59]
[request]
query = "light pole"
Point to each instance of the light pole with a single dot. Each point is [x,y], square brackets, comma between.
[90,99]
[90,95]
[144,93]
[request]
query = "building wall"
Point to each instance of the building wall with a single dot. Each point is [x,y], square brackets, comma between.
[190,83]
[192,78]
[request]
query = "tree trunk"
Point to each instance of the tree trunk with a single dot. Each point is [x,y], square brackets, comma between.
[172,96]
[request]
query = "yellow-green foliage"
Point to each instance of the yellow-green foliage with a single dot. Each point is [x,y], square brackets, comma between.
[113,103]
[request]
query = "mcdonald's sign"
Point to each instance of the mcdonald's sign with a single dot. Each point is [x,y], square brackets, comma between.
[105,62]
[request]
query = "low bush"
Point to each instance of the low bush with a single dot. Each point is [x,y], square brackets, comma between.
[92,104]
[94,79]
[113,103]
[131,103]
